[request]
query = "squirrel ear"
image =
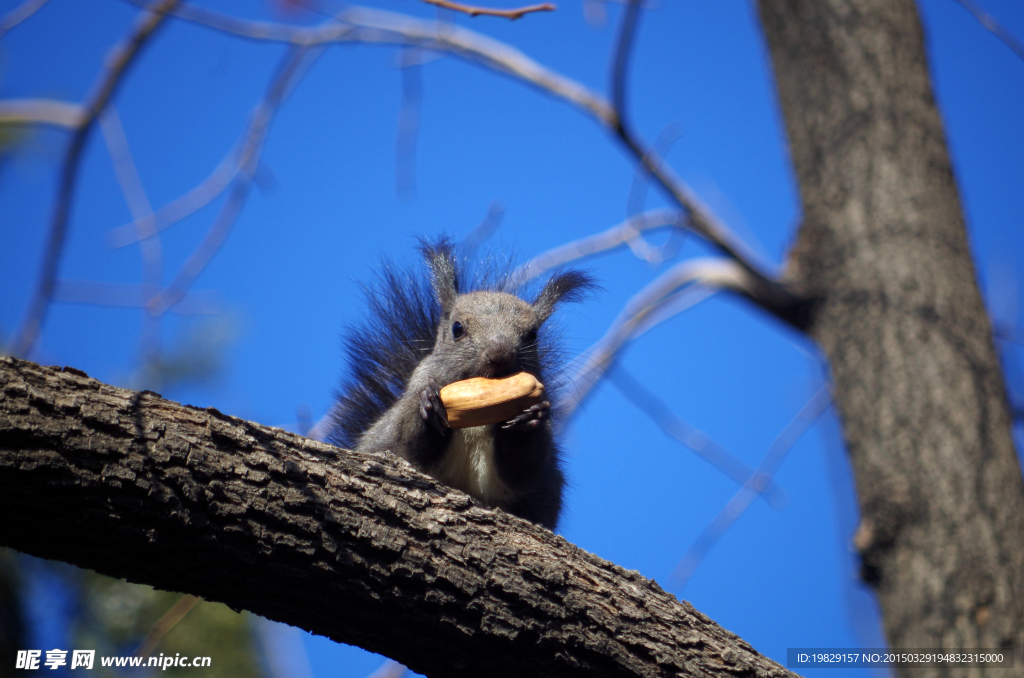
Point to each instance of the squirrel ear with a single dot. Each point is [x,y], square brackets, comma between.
[567,286]
[444,271]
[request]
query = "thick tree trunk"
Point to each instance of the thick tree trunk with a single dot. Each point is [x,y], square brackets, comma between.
[883,253]
[360,548]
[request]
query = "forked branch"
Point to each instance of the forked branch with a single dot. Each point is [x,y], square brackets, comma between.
[511,14]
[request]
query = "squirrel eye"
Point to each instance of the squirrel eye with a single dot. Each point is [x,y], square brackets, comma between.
[530,337]
[458,331]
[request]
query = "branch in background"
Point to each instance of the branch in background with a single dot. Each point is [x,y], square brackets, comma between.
[620,61]
[638,197]
[19,14]
[131,295]
[511,14]
[41,112]
[290,71]
[663,143]
[645,306]
[370,26]
[485,229]
[990,24]
[378,27]
[118,61]
[771,295]
[142,212]
[742,500]
[616,236]
[408,123]
[698,441]
[165,624]
[191,202]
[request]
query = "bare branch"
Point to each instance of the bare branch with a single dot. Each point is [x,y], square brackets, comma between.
[990,24]
[620,61]
[616,236]
[772,295]
[130,295]
[117,62]
[167,622]
[138,204]
[191,202]
[693,438]
[408,123]
[41,112]
[370,26]
[742,500]
[486,228]
[19,14]
[360,24]
[226,172]
[644,306]
[511,14]
[248,162]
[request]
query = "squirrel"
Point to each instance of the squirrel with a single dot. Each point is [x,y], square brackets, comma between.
[423,335]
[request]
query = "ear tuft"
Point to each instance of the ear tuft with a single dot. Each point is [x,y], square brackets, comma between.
[444,271]
[569,286]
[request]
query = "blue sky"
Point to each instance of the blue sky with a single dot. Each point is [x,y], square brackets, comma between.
[286,279]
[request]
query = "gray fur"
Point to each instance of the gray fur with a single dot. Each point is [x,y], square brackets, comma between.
[514,466]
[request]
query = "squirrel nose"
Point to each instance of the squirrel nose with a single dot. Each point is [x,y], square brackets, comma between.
[499,358]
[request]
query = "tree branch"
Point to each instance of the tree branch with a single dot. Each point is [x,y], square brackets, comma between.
[41,112]
[360,24]
[19,14]
[510,14]
[360,548]
[120,58]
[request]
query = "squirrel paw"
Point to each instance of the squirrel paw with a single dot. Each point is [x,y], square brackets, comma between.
[531,418]
[431,408]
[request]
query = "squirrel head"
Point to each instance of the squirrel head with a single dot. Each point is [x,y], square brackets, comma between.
[492,333]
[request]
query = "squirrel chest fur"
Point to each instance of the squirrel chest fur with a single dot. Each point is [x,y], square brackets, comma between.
[421,337]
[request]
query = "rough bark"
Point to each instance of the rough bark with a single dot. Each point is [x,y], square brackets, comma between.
[357,547]
[882,251]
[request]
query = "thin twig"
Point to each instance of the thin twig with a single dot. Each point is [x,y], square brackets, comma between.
[191,202]
[638,195]
[142,212]
[359,24]
[248,162]
[41,112]
[616,236]
[118,62]
[511,14]
[693,438]
[131,295]
[485,229]
[642,307]
[743,498]
[408,124]
[990,24]
[19,14]
[764,290]
[620,60]
[165,624]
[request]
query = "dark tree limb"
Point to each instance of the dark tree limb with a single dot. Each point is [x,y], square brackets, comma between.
[360,548]
[884,253]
